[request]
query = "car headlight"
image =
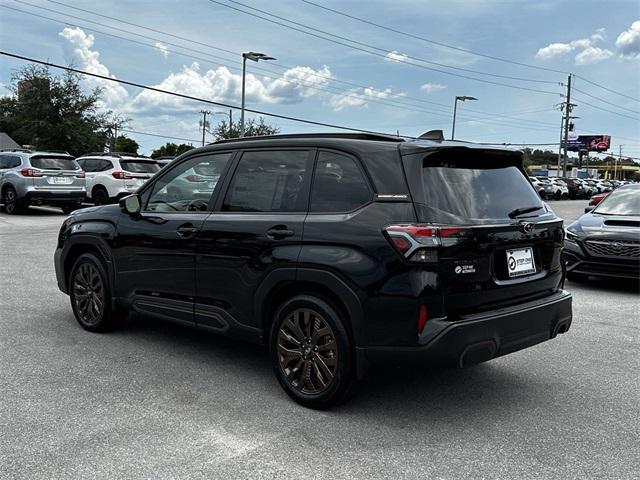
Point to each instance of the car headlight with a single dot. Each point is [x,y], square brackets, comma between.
[569,235]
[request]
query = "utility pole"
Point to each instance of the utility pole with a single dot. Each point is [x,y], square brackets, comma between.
[115,138]
[567,113]
[204,123]
[560,144]
[619,159]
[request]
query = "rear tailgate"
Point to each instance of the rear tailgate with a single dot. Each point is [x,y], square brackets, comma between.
[138,171]
[499,245]
[56,173]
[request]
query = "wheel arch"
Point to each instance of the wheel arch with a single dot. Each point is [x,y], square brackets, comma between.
[280,285]
[81,244]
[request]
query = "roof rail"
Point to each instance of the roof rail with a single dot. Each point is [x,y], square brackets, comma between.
[26,150]
[59,152]
[354,136]
[110,154]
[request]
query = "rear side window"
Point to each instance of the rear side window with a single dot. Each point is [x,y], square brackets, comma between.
[139,166]
[53,163]
[269,181]
[469,188]
[9,161]
[338,184]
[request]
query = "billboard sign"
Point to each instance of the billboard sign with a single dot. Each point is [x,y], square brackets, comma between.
[591,143]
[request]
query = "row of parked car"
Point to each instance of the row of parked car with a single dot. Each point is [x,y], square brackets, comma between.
[559,188]
[57,178]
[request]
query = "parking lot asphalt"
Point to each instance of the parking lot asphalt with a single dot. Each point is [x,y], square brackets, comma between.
[155,400]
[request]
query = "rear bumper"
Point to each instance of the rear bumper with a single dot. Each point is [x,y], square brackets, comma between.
[48,197]
[486,335]
[577,262]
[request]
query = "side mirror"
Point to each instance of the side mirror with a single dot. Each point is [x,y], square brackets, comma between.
[131,204]
[589,209]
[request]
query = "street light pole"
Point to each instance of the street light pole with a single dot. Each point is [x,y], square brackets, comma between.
[255,57]
[462,98]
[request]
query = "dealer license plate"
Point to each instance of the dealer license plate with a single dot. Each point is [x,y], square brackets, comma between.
[520,262]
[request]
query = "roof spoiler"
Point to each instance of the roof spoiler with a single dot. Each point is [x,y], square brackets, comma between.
[435,135]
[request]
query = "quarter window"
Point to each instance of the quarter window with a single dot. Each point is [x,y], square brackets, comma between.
[338,184]
[189,186]
[269,181]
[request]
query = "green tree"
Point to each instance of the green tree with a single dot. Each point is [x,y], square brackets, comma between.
[171,150]
[53,113]
[252,128]
[126,145]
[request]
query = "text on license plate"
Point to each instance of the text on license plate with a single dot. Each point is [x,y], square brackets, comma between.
[60,180]
[520,262]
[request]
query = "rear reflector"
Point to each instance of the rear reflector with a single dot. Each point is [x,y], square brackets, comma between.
[422,318]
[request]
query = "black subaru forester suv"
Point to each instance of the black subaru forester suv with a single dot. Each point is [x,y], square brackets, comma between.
[336,250]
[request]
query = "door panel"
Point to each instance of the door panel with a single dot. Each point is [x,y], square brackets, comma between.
[257,229]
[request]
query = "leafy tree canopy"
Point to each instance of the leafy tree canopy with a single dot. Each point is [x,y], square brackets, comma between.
[252,128]
[126,144]
[171,150]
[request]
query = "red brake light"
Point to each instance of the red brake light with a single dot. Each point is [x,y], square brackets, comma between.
[194,178]
[422,318]
[417,241]
[80,175]
[121,175]
[31,172]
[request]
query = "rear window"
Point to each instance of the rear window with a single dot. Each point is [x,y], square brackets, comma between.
[471,190]
[139,166]
[54,163]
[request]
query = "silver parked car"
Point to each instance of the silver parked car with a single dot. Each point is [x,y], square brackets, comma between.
[40,178]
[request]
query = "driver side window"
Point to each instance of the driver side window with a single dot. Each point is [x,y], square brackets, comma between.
[189,186]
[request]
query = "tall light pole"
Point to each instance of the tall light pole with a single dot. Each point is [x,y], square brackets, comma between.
[462,98]
[255,57]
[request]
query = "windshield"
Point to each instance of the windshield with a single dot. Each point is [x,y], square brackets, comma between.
[140,166]
[476,194]
[620,202]
[54,163]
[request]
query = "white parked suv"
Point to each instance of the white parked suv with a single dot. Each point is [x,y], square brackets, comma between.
[111,176]
[560,189]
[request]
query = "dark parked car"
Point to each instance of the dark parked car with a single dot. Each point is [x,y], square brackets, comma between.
[336,250]
[606,241]
[575,188]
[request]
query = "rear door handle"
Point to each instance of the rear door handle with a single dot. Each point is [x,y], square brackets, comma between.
[187,230]
[279,233]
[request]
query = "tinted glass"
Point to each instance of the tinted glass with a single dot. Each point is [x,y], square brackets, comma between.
[183,189]
[338,184]
[476,193]
[103,165]
[53,163]
[139,166]
[621,202]
[269,181]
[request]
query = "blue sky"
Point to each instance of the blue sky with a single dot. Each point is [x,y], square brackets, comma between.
[327,82]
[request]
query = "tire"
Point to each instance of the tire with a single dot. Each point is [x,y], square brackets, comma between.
[329,361]
[69,208]
[12,204]
[577,277]
[557,195]
[100,196]
[96,313]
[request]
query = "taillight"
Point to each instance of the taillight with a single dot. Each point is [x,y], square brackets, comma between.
[422,318]
[121,175]
[31,172]
[195,178]
[80,175]
[419,243]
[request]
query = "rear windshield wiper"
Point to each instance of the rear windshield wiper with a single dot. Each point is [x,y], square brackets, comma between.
[521,211]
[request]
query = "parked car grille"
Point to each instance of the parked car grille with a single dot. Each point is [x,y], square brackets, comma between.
[614,248]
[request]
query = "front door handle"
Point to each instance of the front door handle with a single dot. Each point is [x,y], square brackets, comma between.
[187,230]
[280,233]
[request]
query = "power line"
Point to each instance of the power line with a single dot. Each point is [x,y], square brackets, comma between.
[440,44]
[399,60]
[138,132]
[370,97]
[605,101]
[606,88]
[583,102]
[188,97]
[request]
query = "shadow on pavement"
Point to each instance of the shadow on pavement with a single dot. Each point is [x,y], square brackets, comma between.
[606,284]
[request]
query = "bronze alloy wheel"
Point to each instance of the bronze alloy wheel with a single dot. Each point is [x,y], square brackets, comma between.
[307,351]
[88,294]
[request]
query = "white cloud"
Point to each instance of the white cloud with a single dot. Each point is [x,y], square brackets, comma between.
[586,51]
[395,56]
[358,98]
[592,55]
[112,93]
[628,42]
[163,49]
[432,87]
[221,85]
